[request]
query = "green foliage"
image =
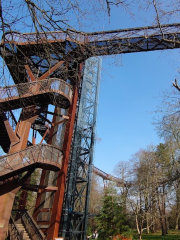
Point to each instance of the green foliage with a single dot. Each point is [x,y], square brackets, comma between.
[111,219]
[89,231]
[163,154]
[173,235]
[127,234]
[31,196]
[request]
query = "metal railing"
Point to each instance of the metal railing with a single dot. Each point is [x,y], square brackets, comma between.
[14,233]
[23,217]
[33,37]
[106,176]
[81,37]
[27,93]
[43,154]
[45,37]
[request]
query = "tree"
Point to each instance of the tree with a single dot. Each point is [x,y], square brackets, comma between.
[163,163]
[49,15]
[151,187]
[28,196]
[42,16]
[95,203]
[142,195]
[123,171]
[168,127]
[111,219]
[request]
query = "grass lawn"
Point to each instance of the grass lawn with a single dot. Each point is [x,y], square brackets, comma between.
[173,235]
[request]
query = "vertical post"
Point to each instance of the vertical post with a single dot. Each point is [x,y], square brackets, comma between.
[97,81]
[6,200]
[75,212]
[53,229]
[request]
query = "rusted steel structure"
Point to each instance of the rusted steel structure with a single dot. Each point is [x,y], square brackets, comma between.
[76,198]
[38,156]
[47,68]
[108,177]
[37,69]
[52,91]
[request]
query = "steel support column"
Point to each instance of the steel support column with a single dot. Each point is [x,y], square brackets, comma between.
[7,199]
[75,210]
[61,180]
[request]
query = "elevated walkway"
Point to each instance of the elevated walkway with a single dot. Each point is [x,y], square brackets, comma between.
[106,176]
[37,156]
[40,124]
[50,91]
[119,41]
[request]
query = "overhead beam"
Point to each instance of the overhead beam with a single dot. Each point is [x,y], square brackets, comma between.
[39,188]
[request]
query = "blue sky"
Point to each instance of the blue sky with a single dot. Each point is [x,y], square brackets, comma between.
[129,96]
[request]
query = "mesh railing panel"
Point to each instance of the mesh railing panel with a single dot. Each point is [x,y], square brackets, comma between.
[82,37]
[15,234]
[33,37]
[23,217]
[31,89]
[41,153]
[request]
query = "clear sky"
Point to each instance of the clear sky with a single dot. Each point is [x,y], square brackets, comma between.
[129,95]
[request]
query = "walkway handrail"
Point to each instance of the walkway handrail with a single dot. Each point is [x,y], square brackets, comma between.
[106,176]
[82,37]
[30,225]
[42,154]
[15,234]
[31,89]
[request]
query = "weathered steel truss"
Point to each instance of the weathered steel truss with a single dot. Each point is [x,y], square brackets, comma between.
[75,211]
[41,155]
[34,59]
[83,45]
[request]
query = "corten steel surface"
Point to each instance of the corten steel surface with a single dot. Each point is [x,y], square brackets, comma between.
[24,196]
[106,176]
[39,208]
[106,42]
[75,207]
[49,91]
[53,224]
[25,219]
[27,119]
[7,198]
[71,47]
[59,197]
[38,156]
[32,58]
[36,188]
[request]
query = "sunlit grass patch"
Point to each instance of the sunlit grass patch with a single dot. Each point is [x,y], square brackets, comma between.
[173,235]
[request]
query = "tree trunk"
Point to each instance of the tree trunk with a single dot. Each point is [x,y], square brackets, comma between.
[162,212]
[147,216]
[177,204]
[177,221]
[153,211]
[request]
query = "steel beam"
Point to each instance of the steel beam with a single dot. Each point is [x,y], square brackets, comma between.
[75,211]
